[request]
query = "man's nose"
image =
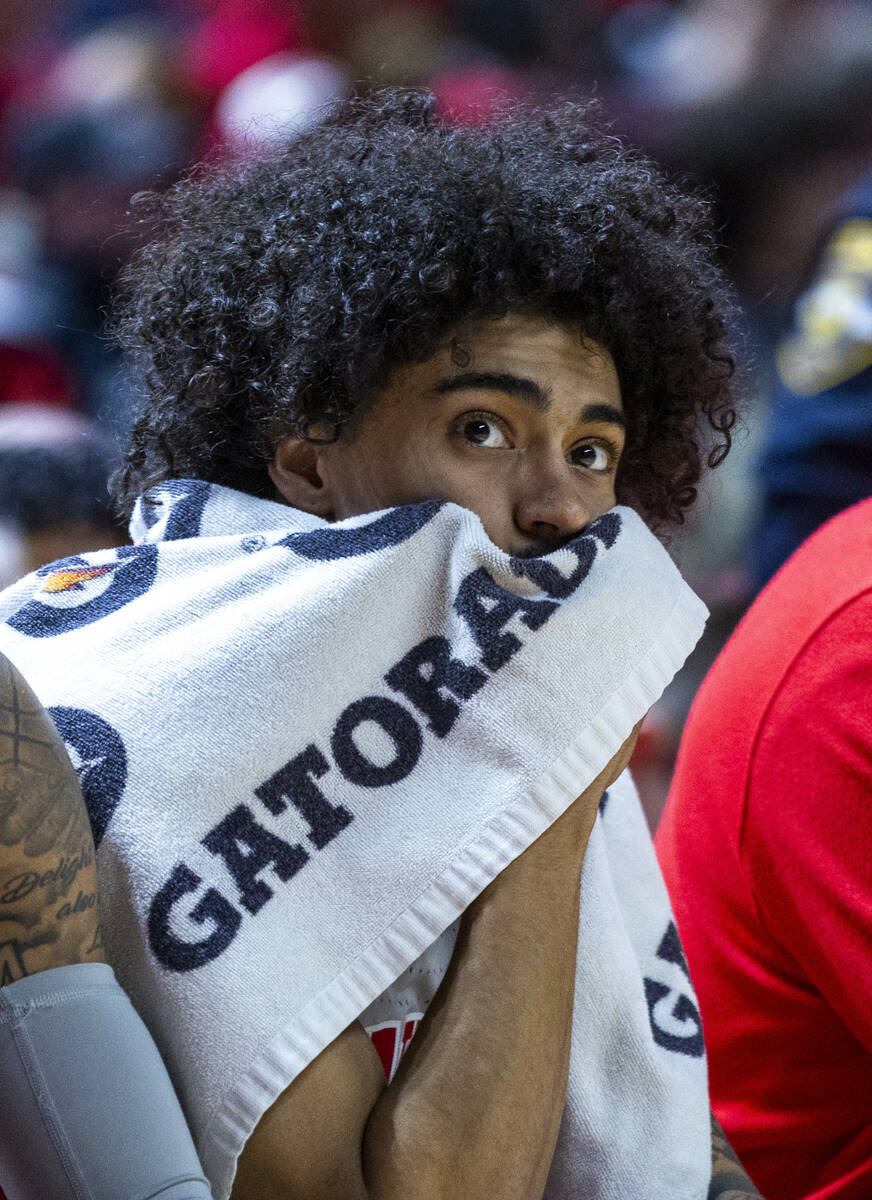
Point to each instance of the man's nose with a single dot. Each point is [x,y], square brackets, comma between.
[551,507]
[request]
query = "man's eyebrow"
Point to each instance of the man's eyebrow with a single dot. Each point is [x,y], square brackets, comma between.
[529,390]
[498,381]
[606,413]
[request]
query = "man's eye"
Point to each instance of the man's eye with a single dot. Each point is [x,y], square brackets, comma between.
[482,432]
[595,458]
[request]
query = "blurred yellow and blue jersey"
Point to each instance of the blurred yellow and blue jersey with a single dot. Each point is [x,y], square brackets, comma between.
[818,455]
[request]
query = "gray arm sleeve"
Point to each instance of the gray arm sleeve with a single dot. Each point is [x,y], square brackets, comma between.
[87,1109]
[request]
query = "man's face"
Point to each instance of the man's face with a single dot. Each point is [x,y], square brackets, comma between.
[527,433]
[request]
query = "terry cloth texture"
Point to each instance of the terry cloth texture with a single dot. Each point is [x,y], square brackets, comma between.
[307,747]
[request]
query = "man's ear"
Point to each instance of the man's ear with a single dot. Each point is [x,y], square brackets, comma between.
[295,471]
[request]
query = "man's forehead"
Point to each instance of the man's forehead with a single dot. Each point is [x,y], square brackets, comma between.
[535,352]
[522,355]
[522,338]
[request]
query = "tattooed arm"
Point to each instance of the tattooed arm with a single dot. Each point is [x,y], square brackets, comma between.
[54,1119]
[48,879]
[729,1178]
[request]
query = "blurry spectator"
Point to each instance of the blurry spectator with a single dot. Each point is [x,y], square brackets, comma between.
[233,35]
[403,44]
[32,374]
[31,308]
[765,847]
[120,63]
[97,124]
[276,99]
[30,305]
[82,164]
[818,459]
[54,502]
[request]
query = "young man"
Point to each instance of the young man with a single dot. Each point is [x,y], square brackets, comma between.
[522,321]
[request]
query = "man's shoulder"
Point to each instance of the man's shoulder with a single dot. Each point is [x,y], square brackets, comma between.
[821,597]
[831,571]
[832,567]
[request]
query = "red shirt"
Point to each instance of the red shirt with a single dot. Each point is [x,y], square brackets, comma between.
[766,846]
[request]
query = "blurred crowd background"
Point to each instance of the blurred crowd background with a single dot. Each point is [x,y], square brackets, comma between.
[765,104]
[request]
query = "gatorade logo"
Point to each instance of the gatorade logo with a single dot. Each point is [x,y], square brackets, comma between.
[98,755]
[392,528]
[675,1019]
[76,591]
[174,509]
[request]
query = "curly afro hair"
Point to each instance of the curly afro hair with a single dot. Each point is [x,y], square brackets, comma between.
[280,292]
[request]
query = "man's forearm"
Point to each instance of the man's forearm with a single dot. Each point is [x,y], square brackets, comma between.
[476,1106]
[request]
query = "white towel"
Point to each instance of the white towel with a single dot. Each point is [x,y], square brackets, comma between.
[306,748]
